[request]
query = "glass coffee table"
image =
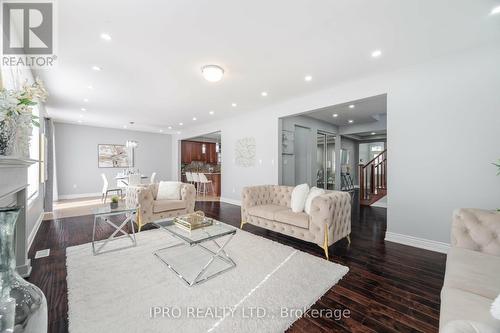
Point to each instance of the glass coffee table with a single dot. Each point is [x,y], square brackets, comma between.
[200,255]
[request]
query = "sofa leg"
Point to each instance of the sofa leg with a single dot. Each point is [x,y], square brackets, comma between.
[242,223]
[325,243]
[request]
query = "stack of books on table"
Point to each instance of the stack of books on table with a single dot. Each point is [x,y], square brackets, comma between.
[192,222]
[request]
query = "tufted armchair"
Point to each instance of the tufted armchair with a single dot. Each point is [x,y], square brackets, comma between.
[268,206]
[472,279]
[152,210]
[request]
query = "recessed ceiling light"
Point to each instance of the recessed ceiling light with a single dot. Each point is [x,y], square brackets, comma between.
[373,133]
[308,78]
[80,121]
[194,118]
[106,36]
[335,115]
[124,126]
[234,105]
[180,124]
[211,113]
[212,73]
[495,10]
[86,100]
[96,68]
[178,132]
[83,109]
[376,53]
[169,127]
[90,87]
[81,115]
[161,131]
[264,93]
[350,121]
[352,106]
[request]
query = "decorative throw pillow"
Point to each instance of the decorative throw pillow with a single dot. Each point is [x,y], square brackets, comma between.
[299,196]
[169,191]
[313,193]
[495,308]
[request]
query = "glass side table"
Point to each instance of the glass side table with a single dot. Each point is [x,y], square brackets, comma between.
[102,214]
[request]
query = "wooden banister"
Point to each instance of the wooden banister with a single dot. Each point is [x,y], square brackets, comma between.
[373,177]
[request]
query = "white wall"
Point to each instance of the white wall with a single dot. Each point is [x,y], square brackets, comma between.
[430,175]
[76,156]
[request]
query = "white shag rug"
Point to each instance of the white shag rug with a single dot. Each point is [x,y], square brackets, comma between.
[131,290]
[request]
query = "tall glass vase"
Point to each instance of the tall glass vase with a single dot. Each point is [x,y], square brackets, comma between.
[23,307]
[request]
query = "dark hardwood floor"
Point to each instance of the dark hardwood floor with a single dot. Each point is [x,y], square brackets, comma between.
[389,287]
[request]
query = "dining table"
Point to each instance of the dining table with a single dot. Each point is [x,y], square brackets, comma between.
[124,179]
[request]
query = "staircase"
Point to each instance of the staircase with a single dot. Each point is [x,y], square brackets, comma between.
[373,179]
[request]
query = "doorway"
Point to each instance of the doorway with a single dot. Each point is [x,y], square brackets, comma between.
[302,155]
[201,165]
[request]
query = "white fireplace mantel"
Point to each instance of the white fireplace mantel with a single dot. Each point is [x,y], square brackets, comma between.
[13,191]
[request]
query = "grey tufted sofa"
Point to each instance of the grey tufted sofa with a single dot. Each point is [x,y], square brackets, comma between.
[472,279]
[268,206]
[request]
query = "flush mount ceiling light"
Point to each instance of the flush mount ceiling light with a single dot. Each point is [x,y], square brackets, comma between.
[335,115]
[308,78]
[212,73]
[352,106]
[495,10]
[376,53]
[105,36]
[96,68]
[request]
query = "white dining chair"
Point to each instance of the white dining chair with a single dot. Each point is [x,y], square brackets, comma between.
[106,189]
[189,177]
[196,181]
[134,179]
[204,181]
[153,178]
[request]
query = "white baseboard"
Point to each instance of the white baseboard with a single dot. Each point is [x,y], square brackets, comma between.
[417,242]
[80,195]
[231,201]
[33,232]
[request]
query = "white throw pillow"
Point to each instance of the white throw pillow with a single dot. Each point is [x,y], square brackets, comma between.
[495,308]
[299,196]
[313,193]
[169,191]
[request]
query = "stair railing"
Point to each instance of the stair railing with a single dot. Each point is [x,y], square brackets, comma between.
[373,176]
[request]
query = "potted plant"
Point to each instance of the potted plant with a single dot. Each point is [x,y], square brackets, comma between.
[114,202]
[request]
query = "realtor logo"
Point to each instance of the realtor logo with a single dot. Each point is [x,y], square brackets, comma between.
[27,28]
[28,33]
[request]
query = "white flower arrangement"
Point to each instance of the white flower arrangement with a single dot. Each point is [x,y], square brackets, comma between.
[16,117]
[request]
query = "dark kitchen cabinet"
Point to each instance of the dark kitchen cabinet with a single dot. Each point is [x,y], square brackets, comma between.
[198,151]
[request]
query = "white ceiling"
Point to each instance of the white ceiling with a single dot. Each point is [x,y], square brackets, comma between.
[151,67]
[367,110]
